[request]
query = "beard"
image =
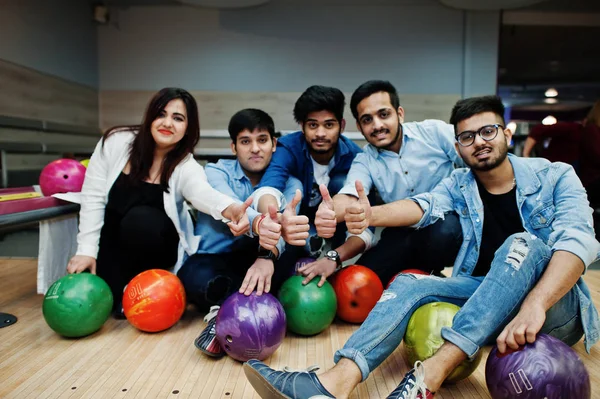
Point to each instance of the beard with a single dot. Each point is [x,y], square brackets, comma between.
[491,162]
[394,141]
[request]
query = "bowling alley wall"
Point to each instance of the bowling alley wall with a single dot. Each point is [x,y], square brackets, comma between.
[60,66]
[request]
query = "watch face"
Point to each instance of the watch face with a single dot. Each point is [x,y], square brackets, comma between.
[332,254]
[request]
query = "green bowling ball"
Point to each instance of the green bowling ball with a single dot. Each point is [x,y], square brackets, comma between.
[423,337]
[85,162]
[77,304]
[308,308]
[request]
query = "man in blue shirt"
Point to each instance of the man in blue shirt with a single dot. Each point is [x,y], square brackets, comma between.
[318,154]
[530,218]
[402,159]
[224,263]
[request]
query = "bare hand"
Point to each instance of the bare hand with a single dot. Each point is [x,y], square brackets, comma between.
[523,328]
[80,263]
[294,228]
[269,230]
[358,215]
[239,218]
[323,267]
[325,220]
[259,276]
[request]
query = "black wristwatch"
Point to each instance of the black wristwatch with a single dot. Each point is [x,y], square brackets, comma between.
[334,256]
[266,254]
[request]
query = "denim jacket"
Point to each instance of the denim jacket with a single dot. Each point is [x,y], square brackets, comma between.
[553,206]
[292,158]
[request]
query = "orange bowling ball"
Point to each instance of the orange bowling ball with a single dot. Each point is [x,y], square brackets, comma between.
[357,289]
[154,300]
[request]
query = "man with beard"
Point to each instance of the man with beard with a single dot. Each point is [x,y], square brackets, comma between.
[401,160]
[528,238]
[316,155]
[224,264]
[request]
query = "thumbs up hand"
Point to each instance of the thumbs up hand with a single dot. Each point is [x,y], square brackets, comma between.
[239,218]
[325,220]
[269,228]
[294,227]
[358,215]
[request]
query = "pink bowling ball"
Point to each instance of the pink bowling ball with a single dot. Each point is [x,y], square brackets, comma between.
[62,176]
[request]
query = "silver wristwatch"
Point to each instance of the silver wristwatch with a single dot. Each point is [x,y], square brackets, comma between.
[334,256]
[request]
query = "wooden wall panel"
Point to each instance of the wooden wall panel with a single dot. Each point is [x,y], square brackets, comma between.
[26,93]
[216,108]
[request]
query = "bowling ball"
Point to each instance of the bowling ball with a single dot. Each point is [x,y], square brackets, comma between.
[548,368]
[357,289]
[77,304]
[301,262]
[62,176]
[85,162]
[250,327]
[407,271]
[308,308]
[423,337]
[154,300]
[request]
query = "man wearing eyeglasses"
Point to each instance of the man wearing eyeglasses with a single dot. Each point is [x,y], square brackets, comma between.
[402,159]
[528,238]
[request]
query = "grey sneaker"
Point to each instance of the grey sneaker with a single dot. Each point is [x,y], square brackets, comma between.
[273,384]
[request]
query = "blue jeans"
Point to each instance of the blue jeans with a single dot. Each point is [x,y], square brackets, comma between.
[488,304]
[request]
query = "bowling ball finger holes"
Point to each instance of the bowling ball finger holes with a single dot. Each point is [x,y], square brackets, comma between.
[65,177]
[354,304]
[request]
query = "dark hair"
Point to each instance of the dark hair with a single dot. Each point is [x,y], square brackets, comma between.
[251,119]
[141,154]
[466,108]
[368,89]
[319,98]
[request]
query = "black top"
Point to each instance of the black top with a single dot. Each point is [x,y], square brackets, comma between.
[500,220]
[126,198]
[124,195]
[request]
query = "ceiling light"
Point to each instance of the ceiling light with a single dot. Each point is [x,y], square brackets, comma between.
[551,92]
[549,120]
[550,100]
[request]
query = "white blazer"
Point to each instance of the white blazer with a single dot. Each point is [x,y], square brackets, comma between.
[188,182]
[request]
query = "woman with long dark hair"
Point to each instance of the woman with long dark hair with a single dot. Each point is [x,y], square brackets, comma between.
[134,214]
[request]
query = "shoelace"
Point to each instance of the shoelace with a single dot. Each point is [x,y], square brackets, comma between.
[212,313]
[309,369]
[418,385]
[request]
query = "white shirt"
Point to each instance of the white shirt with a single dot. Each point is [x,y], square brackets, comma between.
[187,182]
[321,176]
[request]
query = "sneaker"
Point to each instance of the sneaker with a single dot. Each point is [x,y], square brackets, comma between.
[118,313]
[207,341]
[287,384]
[413,385]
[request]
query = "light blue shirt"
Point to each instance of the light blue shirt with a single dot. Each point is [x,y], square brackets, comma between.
[553,206]
[427,156]
[228,177]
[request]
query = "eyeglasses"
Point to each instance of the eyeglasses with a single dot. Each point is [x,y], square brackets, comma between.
[488,133]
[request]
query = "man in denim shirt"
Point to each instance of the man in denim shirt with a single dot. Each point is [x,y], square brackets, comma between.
[318,154]
[533,284]
[401,160]
[223,263]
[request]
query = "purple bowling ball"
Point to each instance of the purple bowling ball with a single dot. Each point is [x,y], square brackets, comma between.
[62,176]
[250,327]
[546,369]
[301,262]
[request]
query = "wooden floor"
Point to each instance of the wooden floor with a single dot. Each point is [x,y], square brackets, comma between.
[119,361]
